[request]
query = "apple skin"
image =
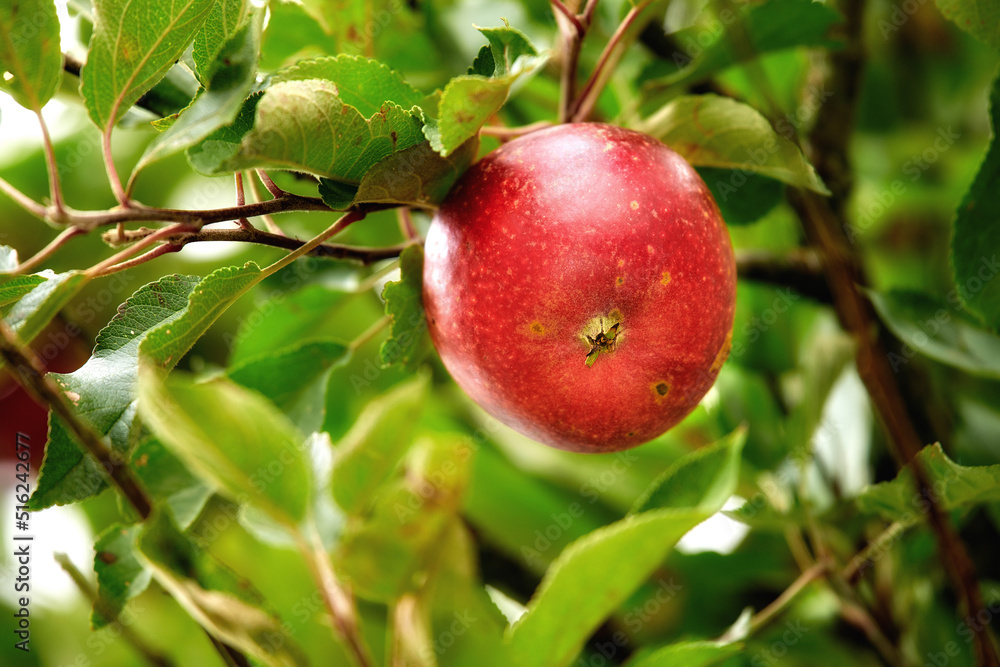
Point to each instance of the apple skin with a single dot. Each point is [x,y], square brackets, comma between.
[552,238]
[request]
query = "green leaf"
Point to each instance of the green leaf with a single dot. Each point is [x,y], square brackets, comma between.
[590,579]
[222,99]
[955,487]
[688,654]
[404,304]
[742,198]
[978,17]
[35,309]
[376,443]
[121,576]
[134,43]
[388,553]
[226,605]
[937,330]
[305,126]
[224,143]
[469,100]
[362,83]
[976,232]
[13,288]
[168,342]
[714,131]
[828,356]
[295,378]
[103,392]
[703,479]
[231,437]
[166,480]
[30,51]
[772,26]
[227,18]
[580,589]
[417,176]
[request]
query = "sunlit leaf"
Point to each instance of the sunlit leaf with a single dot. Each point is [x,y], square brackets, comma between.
[377,441]
[403,303]
[713,131]
[30,55]
[225,20]
[231,437]
[134,43]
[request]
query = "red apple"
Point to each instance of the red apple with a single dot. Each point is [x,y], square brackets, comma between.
[580,286]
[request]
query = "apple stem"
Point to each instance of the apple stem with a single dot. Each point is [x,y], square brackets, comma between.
[584,104]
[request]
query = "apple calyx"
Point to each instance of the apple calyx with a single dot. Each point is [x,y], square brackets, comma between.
[602,334]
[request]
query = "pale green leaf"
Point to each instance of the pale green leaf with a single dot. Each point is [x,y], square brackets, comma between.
[13,288]
[580,590]
[377,441]
[688,654]
[590,579]
[955,487]
[714,131]
[29,51]
[231,437]
[133,45]
[226,605]
[978,17]
[704,479]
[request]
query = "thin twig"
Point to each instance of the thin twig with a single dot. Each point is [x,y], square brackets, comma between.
[406,225]
[569,16]
[337,599]
[109,165]
[275,191]
[506,133]
[29,372]
[800,270]
[151,655]
[23,200]
[269,222]
[241,200]
[368,334]
[157,236]
[158,251]
[584,104]
[55,189]
[362,254]
[573,33]
[768,613]
[32,262]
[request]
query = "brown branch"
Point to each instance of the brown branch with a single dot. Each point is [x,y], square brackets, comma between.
[27,369]
[584,104]
[801,270]
[823,222]
[31,263]
[364,255]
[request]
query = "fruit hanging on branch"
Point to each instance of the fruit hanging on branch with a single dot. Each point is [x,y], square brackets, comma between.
[580,286]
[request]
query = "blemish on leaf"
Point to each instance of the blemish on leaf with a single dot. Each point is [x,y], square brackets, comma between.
[73,397]
[107,557]
[142,461]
